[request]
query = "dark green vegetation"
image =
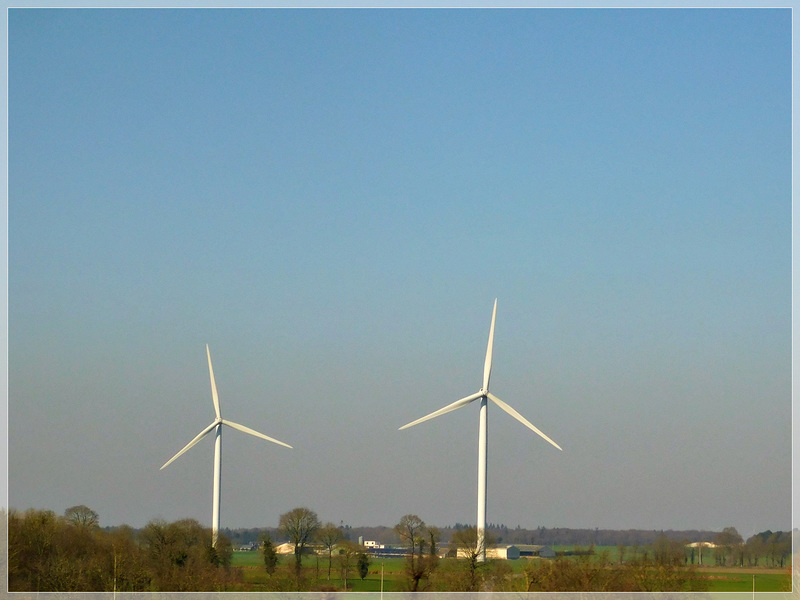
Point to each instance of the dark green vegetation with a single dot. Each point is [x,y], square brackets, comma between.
[48,552]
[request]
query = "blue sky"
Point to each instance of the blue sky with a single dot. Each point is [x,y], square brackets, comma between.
[333,199]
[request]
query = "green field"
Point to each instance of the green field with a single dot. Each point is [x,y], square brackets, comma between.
[741,580]
[720,579]
[252,565]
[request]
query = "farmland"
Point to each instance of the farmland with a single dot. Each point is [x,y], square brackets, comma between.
[48,552]
[254,576]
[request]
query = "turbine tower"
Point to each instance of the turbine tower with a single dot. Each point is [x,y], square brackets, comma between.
[484,395]
[216,426]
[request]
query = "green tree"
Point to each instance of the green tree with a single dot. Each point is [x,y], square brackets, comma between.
[300,526]
[269,553]
[363,565]
[434,535]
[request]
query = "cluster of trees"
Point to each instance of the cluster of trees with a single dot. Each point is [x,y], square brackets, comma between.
[551,536]
[565,536]
[663,569]
[71,552]
[767,547]
[659,567]
[302,528]
[423,570]
[48,552]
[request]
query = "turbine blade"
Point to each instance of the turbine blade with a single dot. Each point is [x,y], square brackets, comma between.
[446,409]
[253,432]
[519,417]
[487,366]
[199,437]
[214,396]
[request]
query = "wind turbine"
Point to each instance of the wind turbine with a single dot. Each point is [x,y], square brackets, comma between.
[484,395]
[216,426]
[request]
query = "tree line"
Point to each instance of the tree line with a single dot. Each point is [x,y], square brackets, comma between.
[551,536]
[48,552]
[768,548]
[71,552]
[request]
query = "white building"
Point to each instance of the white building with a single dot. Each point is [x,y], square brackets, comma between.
[514,551]
[506,552]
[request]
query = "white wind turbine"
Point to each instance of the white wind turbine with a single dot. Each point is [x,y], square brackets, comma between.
[217,426]
[483,395]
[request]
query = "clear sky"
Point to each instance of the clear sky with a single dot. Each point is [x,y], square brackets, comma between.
[332,200]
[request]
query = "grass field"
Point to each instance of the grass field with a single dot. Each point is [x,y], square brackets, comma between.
[730,579]
[741,580]
[252,564]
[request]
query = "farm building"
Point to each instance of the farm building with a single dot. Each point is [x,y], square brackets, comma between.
[249,547]
[504,552]
[513,552]
[701,545]
[288,548]
[529,550]
[507,552]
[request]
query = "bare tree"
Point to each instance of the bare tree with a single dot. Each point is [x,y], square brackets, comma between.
[727,541]
[329,535]
[82,516]
[348,553]
[469,546]
[413,532]
[299,525]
